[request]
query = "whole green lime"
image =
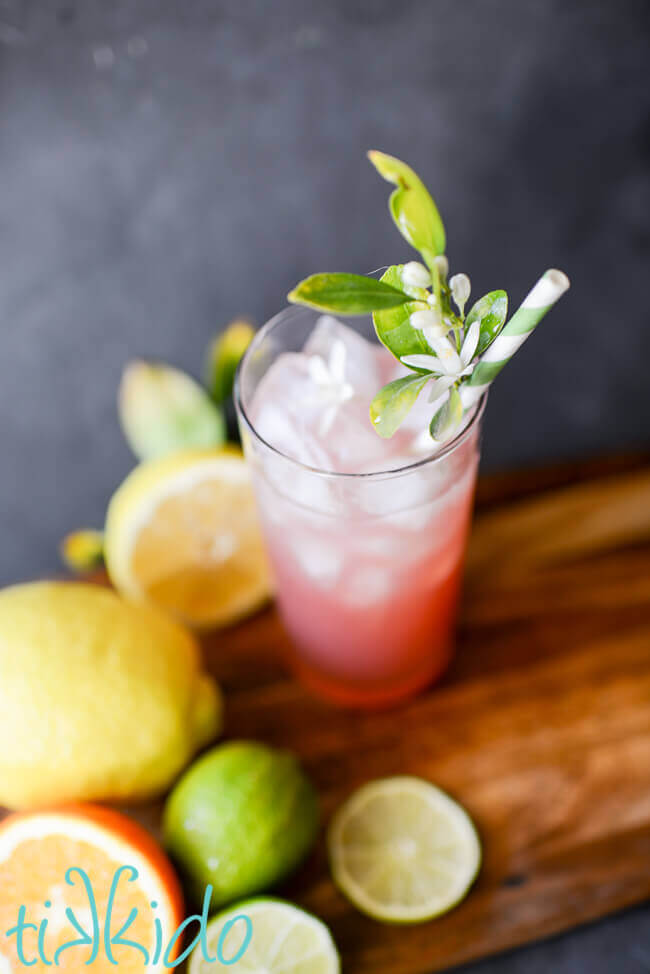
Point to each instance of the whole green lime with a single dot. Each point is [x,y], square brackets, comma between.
[240,819]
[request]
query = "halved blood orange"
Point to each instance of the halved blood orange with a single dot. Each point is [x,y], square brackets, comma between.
[67,859]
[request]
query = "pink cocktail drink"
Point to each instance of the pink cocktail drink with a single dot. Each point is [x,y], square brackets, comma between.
[366,536]
[370,602]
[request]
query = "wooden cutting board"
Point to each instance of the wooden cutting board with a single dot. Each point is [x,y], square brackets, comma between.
[541,728]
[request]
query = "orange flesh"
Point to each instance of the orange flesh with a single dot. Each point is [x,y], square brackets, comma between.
[35,873]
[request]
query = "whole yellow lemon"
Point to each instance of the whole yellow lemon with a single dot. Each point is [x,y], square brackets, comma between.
[100,698]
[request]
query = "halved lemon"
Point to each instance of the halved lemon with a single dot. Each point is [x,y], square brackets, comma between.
[403,851]
[59,866]
[267,936]
[182,532]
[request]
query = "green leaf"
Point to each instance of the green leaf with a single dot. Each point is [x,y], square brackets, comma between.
[391,405]
[162,410]
[223,358]
[351,294]
[393,327]
[448,416]
[412,208]
[491,310]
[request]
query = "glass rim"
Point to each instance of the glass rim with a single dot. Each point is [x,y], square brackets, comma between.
[443,452]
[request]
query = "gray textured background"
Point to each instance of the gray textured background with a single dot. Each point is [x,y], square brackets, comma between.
[166,165]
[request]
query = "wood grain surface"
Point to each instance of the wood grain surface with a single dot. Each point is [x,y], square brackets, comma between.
[541,728]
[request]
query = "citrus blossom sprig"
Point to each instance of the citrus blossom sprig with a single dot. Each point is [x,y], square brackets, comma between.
[419,314]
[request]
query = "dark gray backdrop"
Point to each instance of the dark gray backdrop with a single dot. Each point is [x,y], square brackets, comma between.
[168,164]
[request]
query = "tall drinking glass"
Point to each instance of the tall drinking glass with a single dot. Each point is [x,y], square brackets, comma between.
[368,566]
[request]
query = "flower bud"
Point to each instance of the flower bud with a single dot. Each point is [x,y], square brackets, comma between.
[83,550]
[460,289]
[415,274]
[429,322]
[425,319]
[163,409]
[442,264]
[432,300]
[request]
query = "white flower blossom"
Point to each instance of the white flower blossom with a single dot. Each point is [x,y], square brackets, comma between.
[447,366]
[331,385]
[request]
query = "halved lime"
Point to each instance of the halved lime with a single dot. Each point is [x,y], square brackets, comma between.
[282,938]
[403,851]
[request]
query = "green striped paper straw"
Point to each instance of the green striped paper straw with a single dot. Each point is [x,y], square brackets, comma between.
[540,299]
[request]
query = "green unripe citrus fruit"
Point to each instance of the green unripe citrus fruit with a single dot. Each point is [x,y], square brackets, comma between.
[240,819]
